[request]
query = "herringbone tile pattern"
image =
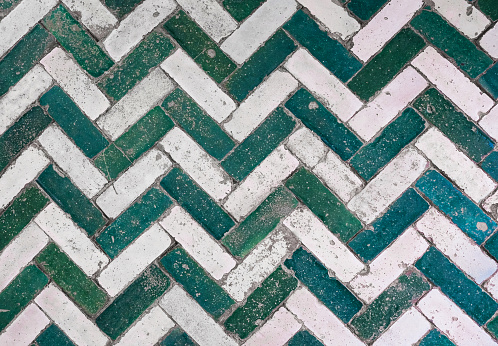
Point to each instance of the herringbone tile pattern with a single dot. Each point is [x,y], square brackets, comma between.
[279,172]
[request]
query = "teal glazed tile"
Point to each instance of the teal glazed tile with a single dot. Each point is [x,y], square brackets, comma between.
[53,336]
[304,338]
[489,81]
[435,338]
[177,337]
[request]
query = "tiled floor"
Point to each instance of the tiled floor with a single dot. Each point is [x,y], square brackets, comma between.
[228,172]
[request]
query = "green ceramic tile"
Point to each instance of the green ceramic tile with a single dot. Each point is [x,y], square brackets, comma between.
[375,155]
[328,51]
[17,216]
[493,327]
[24,56]
[149,53]
[203,129]
[454,124]
[133,221]
[255,227]
[489,81]
[71,200]
[6,5]
[121,7]
[210,296]
[112,162]
[318,119]
[390,305]
[333,294]
[260,303]
[135,299]
[240,10]
[197,203]
[53,336]
[200,47]
[324,204]
[19,293]
[304,338]
[448,39]
[379,71]
[435,338]
[364,9]
[73,37]
[257,146]
[69,277]
[259,65]
[144,133]
[76,125]
[177,337]
[489,7]
[21,134]
[490,165]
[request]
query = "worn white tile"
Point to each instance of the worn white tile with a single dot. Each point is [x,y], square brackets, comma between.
[20,252]
[388,185]
[258,28]
[134,259]
[276,331]
[210,16]
[384,26]
[320,240]
[489,42]
[195,82]
[490,122]
[335,17]
[490,204]
[254,110]
[26,327]
[71,239]
[136,25]
[319,319]
[449,318]
[72,161]
[75,83]
[69,318]
[492,285]
[307,147]
[197,242]
[407,330]
[338,176]
[453,83]
[386,106]
[465,17]
[22,95]
[118,196]
[136,103]
[459,248]
[193,319]
[330,90]
[259,183]
[94,16]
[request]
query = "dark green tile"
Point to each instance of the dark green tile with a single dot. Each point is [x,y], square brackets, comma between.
[24,56]
[364,9]
[184,270]
[73,37]
[454,124]
[135,299]
[318,119]
[68,276]
[71,200]
[375,155]
[132,222]
[203,129]
[435,338]
[383,231]
[489,81]
[333,294]
[6,5]
[242,239]
[389,305]
[151,51]
[76,125]
[20,292]
[112,162]
[21,134]
[53,336]
[489,7]
[329,52]
[260,64]
[19,214]
[144,133]
[257,146]
[200,47]
[490,165]
[177,337]
[379,71]
[260,303]
[304,338]
[493,327]
[324,204]
[444,36]
[241,9]
[454,283]
[197,203]
[461,210]
[121,7]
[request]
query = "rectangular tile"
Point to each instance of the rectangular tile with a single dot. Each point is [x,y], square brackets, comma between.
[25,327]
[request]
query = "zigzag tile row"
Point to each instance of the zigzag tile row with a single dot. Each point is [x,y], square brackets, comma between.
[266,173]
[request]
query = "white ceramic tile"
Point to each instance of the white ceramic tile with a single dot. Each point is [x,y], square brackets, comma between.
[94,16]
[307,147]
[26,327]
[465,17]
[276,331]
[489,41]
[407,330]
